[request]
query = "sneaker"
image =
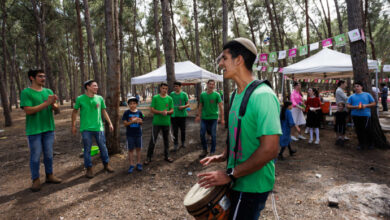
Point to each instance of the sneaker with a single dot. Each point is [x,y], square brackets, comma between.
[203,154]
[310,141]
[131,169]
[317,142]
[294,138]
[346,138]
[307,130]
[139,167]
[301,137]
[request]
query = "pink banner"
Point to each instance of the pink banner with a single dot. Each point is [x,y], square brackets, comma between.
[263,57]
[316,80]
[264,68]
[327,42]
[281,70]
[292,52]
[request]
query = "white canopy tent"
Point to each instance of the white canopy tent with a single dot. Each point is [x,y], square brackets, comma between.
[325,64]
[186,71]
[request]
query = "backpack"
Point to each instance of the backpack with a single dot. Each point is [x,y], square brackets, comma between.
[242,111]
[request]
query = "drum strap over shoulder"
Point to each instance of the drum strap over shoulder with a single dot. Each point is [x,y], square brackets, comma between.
[242,111]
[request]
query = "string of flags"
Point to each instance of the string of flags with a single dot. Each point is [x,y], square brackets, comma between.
[324,81]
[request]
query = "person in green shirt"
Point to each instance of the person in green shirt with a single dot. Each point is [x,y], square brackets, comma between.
[162,109]
[39,103]
[92,107]
[251,168]
[209,103]
[178,118]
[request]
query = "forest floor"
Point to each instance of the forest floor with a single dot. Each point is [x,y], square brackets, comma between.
[158,191]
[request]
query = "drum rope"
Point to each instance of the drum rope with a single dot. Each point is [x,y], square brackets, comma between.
[275,211]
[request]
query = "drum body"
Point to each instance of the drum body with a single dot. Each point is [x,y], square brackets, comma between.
[211,203]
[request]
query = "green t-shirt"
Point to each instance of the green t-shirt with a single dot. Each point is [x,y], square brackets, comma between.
[179,100]
[41,121]
[159,103]
[210,105]
[91,112]
[261,118]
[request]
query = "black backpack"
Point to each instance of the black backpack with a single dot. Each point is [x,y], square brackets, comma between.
[242,111]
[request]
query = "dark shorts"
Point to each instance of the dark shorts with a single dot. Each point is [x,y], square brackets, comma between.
[134,142]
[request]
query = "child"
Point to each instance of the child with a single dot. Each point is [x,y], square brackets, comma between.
[313,107]
[132,119]
[340,118]
[287,122]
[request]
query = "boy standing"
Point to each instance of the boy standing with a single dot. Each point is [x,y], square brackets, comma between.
[162,108]
[132,119]
[38,103]
[91,124]
[180,103]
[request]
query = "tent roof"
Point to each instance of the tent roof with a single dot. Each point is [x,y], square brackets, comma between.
[184,71]
[325,64]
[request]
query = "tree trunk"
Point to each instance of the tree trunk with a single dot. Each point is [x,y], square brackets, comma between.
[3,90]
[250,21]
[307,26]
[156,31]
[113,74]
[167,42]
[226,82]
[340,21]
[184,44]
[121,48]
[147,48]
[197,50]
[132,47]
[80,42]
[102,70]
[360,69]
[61,82]
[235,20]
[91,44]
[175,49]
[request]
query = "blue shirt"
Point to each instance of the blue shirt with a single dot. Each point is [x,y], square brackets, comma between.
[385,92]
[133,130]
[286,124]
[364,98]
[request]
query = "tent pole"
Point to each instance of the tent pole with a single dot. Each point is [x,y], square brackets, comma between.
[282,88]
[376,93]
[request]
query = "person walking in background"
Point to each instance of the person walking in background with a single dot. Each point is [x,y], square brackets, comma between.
[297,109]
[178,118]
[287,122]
[313,107]
[384,94]
[340,94]
[39,103]
[360,104]
[340,119]
[92,107]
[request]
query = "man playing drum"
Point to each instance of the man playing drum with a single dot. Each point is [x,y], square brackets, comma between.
[250,166]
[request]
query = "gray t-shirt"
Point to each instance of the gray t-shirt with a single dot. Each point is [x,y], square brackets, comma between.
[341,96]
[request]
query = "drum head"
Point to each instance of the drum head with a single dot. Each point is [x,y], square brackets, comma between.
[196,194]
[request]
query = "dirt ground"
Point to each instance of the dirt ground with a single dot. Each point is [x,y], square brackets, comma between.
[158,191]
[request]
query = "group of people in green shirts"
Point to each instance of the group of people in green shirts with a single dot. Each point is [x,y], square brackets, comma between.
[250,167]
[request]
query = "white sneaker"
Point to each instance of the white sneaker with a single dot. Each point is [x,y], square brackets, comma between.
[346,138]
[307,131]
[301,137]
[317,142]
[294,138]
[310,141]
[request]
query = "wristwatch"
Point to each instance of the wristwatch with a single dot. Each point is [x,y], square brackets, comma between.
[230,173]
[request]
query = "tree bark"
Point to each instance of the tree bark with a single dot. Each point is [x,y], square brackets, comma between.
[175,49]
[226,82]
[340,21]
[3,91]
[307,25]
[91,44]
[360,69]
[197,50]
[184,44]
[121,48]
[250,22]
[167,42]
[235,20]
[113,74]
[80,42]
[156,31]
[132,47]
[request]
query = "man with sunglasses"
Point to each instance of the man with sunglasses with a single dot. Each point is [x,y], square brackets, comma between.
[39,103]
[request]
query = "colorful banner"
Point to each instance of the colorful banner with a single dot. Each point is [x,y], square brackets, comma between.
[282,54]
[314,46]
[327,43]
[276,69]
[340,40]
[281,70]
[257,58]
[292,52]
[264,68]
[263,57]
[354,35]
[386,68]
[303,50]
[259,68]
[272,57]
[270,69]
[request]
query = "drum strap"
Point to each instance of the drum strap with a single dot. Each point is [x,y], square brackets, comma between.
[242,111]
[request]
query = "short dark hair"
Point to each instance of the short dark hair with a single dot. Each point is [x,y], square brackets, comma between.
[340,83]
[236,49]
[295,83]
[210,80]
[177,83]
[163,84]
[88,83]
[358,83]
[34,73]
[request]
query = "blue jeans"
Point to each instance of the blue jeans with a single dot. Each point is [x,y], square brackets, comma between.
[101,142]
[246,205]
[211,127]
[39,143]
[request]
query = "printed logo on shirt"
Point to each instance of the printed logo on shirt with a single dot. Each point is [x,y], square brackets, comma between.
[211,101]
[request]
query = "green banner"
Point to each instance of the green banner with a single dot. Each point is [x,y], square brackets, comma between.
[273,57]
[270,69]
[303,50]
[340,40]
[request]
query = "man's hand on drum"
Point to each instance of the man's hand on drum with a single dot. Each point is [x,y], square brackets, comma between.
[214,178]
[212,159]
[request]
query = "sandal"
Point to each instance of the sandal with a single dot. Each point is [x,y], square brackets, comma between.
[169,160]
[147,161]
